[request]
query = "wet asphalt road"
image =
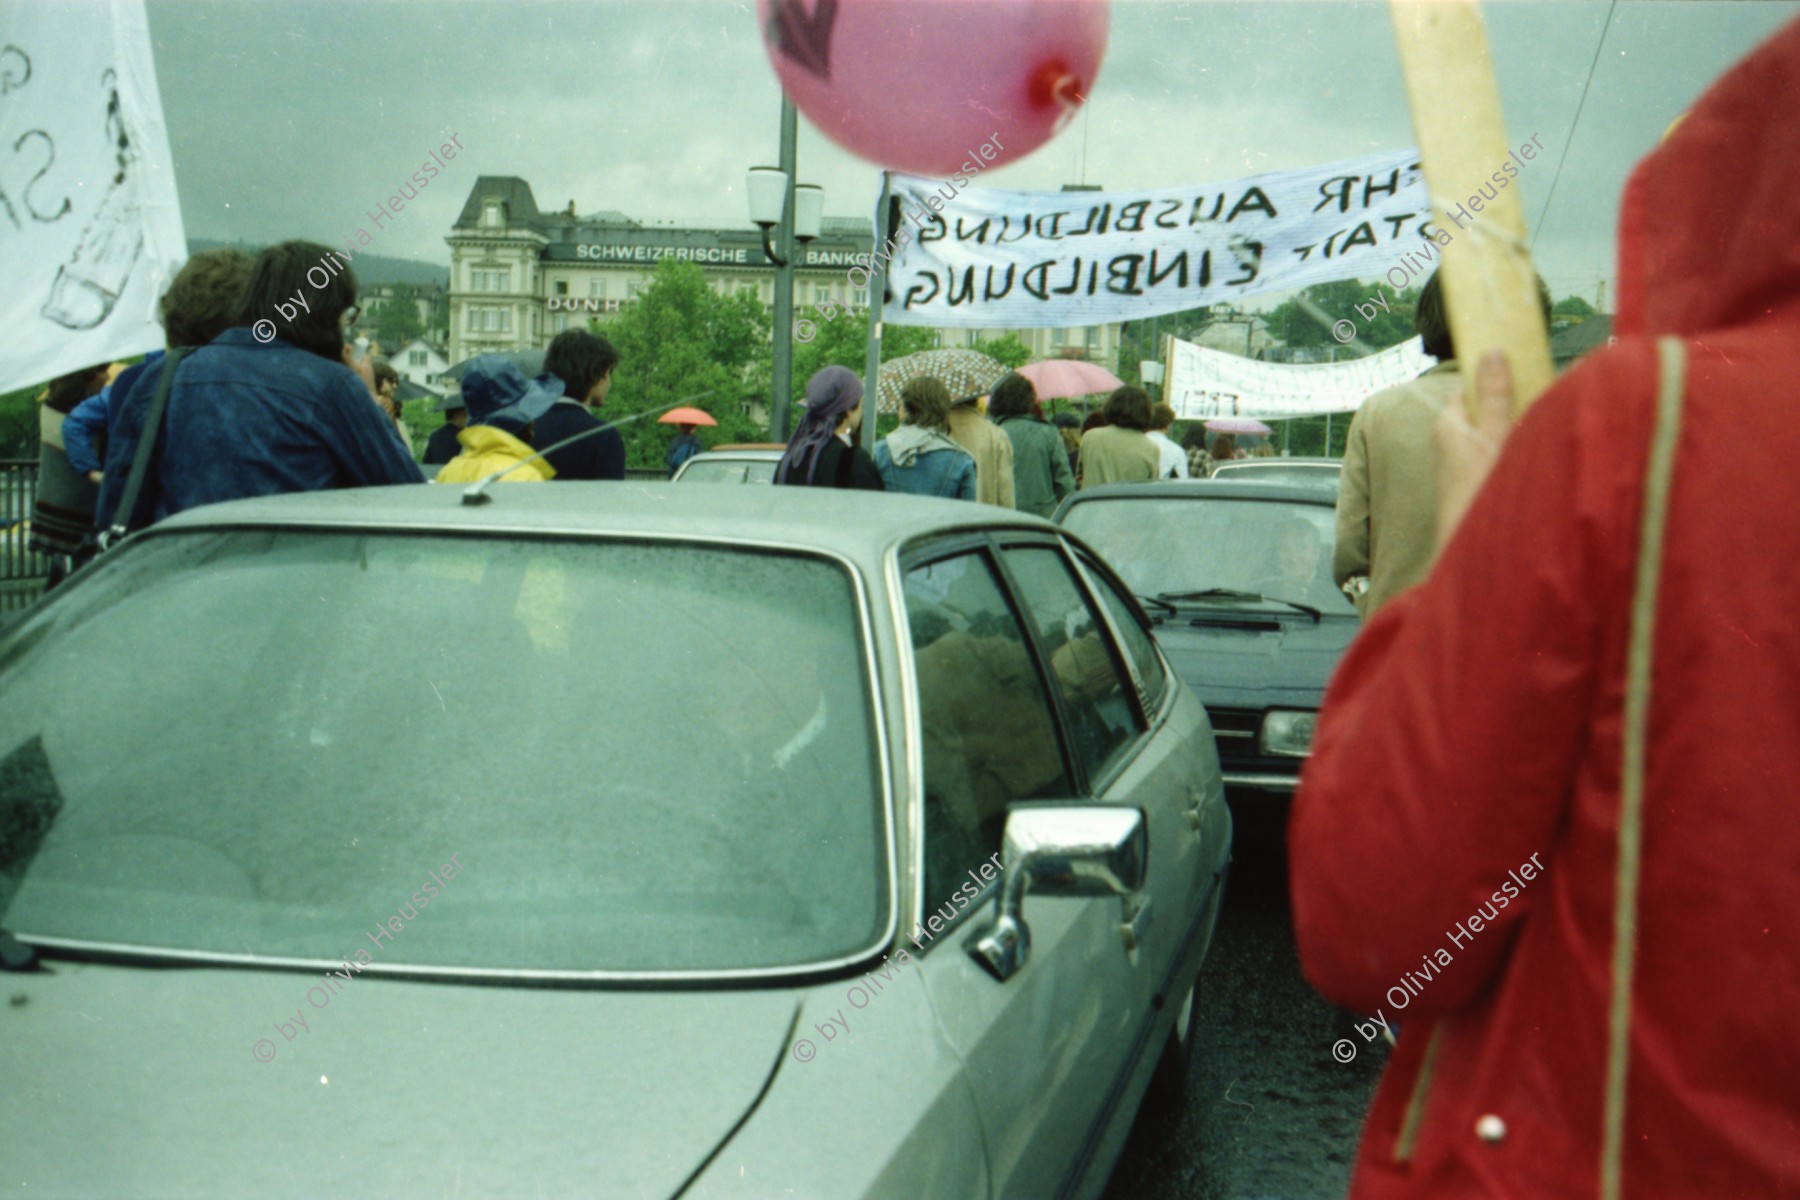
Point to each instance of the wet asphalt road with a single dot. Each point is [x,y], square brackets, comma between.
[1270,1114]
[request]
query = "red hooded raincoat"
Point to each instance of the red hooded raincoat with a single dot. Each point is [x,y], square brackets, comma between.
[1474,728]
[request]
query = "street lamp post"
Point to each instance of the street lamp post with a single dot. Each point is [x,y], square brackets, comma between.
[796,213]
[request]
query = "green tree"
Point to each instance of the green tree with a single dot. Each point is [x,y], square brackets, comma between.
[1572,306]
[1007,349]
[1381,316]
[681,341]
[397,318]
[843,341]
[19,424]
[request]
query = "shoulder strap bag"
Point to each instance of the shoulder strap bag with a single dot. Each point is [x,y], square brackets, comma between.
[146,449]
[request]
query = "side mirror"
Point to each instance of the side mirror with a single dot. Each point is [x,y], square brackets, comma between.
[1059,850]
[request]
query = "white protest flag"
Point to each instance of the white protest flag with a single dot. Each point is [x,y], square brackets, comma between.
[1205,383]
[1030,260]
[90,226]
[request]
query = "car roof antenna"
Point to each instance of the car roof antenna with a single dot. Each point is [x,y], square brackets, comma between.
[476,493]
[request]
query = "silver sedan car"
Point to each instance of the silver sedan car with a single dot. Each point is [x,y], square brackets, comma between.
[395,843]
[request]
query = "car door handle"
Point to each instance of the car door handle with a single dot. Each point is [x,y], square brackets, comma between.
[1136,923]
[1196,801]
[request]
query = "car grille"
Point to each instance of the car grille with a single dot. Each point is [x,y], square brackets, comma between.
[1235,730]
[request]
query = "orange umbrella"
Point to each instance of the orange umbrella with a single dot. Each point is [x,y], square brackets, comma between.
[685,416]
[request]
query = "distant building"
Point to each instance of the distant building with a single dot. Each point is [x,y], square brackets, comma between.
[520,276]
[428,305]
[422,362]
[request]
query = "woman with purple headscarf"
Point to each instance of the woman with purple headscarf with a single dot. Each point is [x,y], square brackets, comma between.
[823,451]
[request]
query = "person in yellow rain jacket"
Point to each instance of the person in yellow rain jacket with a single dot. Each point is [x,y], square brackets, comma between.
[502,405]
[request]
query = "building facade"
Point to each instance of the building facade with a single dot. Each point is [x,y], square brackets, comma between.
[520,276]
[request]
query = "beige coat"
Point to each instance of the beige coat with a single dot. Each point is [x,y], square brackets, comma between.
[993,454]
[1114,454]
[1387,508]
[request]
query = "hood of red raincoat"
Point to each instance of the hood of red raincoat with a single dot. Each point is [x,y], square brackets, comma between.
[1706,231]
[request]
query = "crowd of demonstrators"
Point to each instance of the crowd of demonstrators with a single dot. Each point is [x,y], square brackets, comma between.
[919,458]
[1172,460]
[1386,518]
[442,445]
[990,448]
[584,362]
[1120,449]
[823,451]
[1042,475]
[503,409]
[1600,674]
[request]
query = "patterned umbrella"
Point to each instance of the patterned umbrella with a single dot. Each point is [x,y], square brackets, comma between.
[964,372]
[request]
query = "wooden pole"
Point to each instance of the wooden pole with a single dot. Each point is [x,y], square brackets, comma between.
[1490,288]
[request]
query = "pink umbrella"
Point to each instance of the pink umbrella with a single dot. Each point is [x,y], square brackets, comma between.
[1236,425]
[1055,378]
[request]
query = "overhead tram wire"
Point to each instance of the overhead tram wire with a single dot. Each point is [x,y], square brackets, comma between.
[1605,28]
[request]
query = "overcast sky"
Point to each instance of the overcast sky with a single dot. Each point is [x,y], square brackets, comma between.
[290,118]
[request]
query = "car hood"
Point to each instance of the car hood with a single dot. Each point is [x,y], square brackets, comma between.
[145,1081]
[1237,658]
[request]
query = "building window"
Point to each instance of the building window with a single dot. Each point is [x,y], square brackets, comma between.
[562,287]
[491,280]
[860,297]
[1093,337]
[485,318]
[561,323]
[821,293]
[746,289]
[634,289]
[492,215]
[415,358]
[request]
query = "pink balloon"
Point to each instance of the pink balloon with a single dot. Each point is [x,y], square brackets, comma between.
[918,85]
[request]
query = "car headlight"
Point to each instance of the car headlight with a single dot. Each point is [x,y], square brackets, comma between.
[1288,733]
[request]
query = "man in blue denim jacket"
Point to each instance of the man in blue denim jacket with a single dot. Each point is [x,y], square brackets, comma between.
[257,413]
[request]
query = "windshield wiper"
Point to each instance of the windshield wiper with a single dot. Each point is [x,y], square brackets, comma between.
[1235,594]
[1308,609]
[1159,602]
[1208,594]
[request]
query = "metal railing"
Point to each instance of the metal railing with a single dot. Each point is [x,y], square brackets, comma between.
[22,572]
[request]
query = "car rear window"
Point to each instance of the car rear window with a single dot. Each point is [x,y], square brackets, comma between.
[645,756]
[1274,548]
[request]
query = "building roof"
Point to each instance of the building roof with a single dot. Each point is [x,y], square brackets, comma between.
[510,190]
[563,231]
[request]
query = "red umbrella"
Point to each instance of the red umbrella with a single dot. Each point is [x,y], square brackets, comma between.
[1055,378]
[685,416]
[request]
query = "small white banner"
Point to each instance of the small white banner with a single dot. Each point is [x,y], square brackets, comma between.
[1207,383]
[90,225]
[991,259]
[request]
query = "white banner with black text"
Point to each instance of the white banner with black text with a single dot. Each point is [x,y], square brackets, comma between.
[989,259]
[1204,383]
[89,219]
